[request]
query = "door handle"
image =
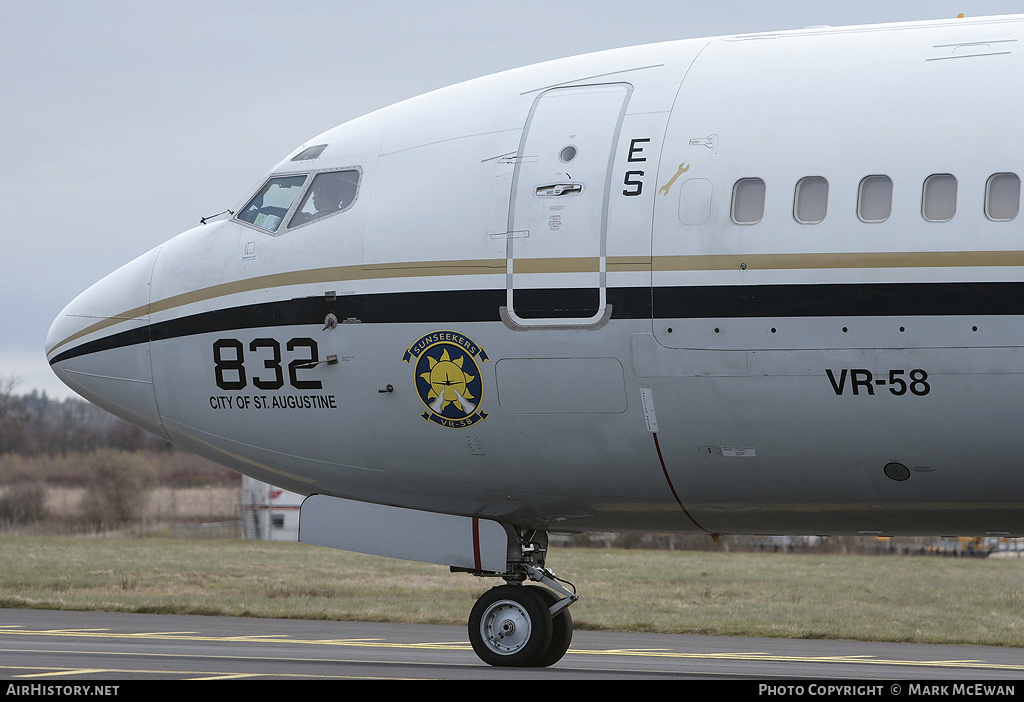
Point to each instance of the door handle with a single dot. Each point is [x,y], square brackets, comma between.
[558,189]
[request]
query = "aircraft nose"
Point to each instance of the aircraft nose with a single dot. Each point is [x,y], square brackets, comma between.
[99,345]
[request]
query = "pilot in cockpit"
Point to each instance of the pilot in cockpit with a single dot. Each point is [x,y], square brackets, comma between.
[330,192]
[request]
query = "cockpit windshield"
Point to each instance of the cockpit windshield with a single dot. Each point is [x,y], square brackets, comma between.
[268,207]
[330,192]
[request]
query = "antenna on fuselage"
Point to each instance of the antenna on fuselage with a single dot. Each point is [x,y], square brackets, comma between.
[202,220]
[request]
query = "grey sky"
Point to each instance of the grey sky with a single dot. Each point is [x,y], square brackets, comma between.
[124,122]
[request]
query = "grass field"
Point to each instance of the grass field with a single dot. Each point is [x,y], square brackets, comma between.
[878,598]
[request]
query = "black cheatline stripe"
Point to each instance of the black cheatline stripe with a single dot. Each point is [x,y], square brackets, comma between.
[839,300]
[114,341]
[703,302]
[457,306]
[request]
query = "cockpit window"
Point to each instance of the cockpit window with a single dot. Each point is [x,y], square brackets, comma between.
[330,192]
[269,206]
[309,154]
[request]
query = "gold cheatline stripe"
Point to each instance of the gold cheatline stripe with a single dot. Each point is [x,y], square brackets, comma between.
[582,264]
[376,271]
[315,275]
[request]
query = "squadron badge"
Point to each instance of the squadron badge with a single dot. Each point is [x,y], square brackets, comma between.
[447,378]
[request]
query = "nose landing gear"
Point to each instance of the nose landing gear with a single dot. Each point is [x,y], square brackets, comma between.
[523,625]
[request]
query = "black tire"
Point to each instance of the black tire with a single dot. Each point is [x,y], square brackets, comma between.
[510,625]
[561,630]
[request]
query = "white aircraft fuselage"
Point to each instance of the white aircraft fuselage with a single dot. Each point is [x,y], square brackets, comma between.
[757,284]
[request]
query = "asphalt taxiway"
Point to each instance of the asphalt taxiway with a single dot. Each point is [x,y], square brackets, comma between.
[54,647]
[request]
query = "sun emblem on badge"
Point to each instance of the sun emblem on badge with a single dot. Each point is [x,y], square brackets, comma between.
[448,383]
[448,378]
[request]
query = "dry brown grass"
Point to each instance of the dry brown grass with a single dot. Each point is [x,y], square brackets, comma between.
[172,468]
[185,488]
[163,504]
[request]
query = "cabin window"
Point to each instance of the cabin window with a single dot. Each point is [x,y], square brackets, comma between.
[748,201]
[330,192]
[938,203]
[874,199]
[1002,197]
[269,206]
[810,203]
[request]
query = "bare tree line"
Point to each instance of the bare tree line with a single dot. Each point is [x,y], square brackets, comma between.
[34,424]
[47,443]
[55,441]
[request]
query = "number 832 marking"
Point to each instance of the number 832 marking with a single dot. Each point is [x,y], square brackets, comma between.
[230,363]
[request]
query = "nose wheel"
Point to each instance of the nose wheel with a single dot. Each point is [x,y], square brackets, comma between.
[519,625]
[512,625]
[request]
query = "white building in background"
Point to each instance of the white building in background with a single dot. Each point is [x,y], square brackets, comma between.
[268,512]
